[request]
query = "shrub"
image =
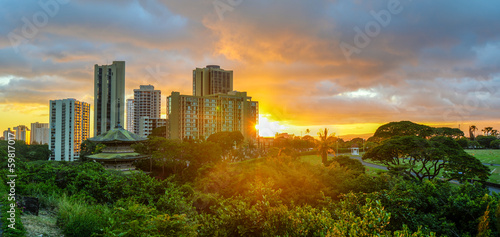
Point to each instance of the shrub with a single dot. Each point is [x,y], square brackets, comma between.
[77,218]
[495,144]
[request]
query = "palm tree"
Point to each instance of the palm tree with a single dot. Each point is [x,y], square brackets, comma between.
[324,145]
[494,132]
[472,129]
[308,131]
[487,131]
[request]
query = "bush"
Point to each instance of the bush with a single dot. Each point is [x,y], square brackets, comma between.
[77,218]
[485,141]
[495,144]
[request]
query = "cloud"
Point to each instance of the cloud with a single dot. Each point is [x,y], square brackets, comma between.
[433,61]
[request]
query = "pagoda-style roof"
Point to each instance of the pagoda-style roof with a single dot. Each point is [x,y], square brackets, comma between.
[116,156]
[118,134]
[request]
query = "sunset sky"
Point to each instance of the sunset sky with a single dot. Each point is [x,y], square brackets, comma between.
[346,65]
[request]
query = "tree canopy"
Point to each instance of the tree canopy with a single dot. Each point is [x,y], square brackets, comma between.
[418,158]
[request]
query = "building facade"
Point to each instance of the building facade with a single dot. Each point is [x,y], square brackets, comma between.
[23,133]
[6,134]
[130,115]
[198,117]
[146,125]
[109,96]
[69,127]
[40,133]
[147,104]
[212,80]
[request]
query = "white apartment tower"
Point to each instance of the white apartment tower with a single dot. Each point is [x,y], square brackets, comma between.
[109,96]
[147,104]
[130,115]
[40,133]
[69,127]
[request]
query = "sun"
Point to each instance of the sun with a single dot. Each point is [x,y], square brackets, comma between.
[268,128]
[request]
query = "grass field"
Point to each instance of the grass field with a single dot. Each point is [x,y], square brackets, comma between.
[486,156]
[490,157]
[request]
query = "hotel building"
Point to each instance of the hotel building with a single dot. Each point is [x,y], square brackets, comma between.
[69,127]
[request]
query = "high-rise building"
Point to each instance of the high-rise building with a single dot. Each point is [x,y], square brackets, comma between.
[212,80]
[147,124]
[200,116]
[23,133]
[6,134]
[40,133]
[109,96]
[147,104]
[130,115]
[69,127]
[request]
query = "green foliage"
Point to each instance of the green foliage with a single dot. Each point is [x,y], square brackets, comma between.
[438,206]
[77,218]
[226,140]
[349,163]
[485,141]
[159,132]
[463,142]
[130,219]
[19,229]
[402,128]
[495,144]
[419,159]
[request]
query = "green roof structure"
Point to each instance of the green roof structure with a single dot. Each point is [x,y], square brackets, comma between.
[118,135]
[118,155]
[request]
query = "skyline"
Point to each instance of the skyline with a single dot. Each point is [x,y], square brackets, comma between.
[407,62]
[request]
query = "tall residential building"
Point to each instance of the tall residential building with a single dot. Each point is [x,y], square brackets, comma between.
[69,127]
[212,80]
[147,104]
[147,124]
[200,116]
[109,96]
[6,134]
[40,133]
[130,115]
[23,133]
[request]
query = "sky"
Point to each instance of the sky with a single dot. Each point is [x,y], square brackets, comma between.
[349,66]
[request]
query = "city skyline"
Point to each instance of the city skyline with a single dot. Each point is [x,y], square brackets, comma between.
[348,66]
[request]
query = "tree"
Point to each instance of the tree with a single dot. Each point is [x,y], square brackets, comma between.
[485,141]
[487,131]
[472,130]
[495,144]
[402,128]
[226,140]
[418,158]
[308,131]
[324,144]
[159,132]
[449,132]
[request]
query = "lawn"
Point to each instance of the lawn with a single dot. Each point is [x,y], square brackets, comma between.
[486,156]
[490,157]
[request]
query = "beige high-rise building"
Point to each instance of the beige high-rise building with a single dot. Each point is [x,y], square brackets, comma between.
[200,116]
[212,80]
[69,127]
[23,133]
[109,96]
[147,104]
[40,133]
